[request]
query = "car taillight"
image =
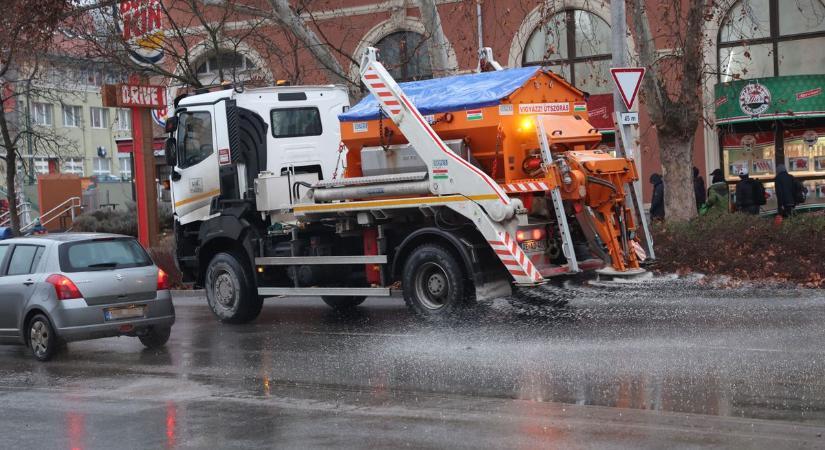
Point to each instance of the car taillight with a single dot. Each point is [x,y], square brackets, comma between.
[163,280]
[64,287]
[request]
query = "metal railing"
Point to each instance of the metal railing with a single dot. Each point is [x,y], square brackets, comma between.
[24,209]
[68,207]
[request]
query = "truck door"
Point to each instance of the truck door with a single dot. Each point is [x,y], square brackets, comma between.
[195,175]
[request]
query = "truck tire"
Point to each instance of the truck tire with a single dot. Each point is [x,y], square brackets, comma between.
[343,303]
[433,283]
[230,290]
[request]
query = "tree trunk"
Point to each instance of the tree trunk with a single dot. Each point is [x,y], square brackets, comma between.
[11,172]
[438,46]
[677,164]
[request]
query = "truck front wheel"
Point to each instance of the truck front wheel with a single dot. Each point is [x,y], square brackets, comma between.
[433,282]
[230,290]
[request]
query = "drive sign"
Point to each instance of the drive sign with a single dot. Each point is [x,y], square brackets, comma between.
[628,80]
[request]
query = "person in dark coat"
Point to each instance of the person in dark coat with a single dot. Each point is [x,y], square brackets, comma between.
[785,184]
[698,188]
[746,194]
[657,204]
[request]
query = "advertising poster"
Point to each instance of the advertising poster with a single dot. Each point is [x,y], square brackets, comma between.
[736,166]
[819,163]
[798,164]
[762,167]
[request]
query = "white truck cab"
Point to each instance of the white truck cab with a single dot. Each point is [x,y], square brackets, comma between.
[225,138]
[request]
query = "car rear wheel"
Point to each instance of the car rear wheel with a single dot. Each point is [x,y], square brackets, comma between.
[230,291]
[343,303]
[155,337]
[41,338]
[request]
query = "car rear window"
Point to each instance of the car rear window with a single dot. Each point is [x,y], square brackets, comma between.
[102,254]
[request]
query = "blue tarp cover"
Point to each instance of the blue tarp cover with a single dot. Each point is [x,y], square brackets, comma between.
[450,93]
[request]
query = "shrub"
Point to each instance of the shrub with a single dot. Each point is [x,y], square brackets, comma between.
[108,221]
[746,247]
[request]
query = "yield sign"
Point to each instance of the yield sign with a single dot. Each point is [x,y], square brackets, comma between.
[628,80]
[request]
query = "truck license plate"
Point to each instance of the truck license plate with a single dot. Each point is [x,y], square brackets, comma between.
[532,246]
[124,312]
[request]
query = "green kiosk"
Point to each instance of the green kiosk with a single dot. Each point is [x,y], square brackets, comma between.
[767,121]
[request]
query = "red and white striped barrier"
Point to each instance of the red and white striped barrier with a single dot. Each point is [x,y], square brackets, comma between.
[514,258]
[383,94]
[529,186]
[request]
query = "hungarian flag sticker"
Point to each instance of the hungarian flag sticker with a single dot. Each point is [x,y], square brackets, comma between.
[474,114]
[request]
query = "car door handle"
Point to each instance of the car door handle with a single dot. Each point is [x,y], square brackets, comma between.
[28,282]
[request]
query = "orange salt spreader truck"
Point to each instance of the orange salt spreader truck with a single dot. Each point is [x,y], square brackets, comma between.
[449,191]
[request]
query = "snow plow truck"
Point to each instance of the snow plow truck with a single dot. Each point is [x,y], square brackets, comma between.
[446,191]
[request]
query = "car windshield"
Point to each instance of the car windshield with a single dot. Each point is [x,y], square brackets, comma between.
[102,254]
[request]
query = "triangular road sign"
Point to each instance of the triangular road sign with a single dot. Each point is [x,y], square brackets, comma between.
[628,80]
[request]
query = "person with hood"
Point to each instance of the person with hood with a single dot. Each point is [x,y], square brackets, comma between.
[698,188]
[657,204]
[748,193]
[785,186]
[718,198]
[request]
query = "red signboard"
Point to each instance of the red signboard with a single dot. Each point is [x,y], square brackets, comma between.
[141,96]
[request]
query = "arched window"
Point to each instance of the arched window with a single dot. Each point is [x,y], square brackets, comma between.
[575,44]
[235,67]
[765,38]
[405,55]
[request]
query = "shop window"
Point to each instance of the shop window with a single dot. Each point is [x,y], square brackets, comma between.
[805,159]
[760,38]
[405,55]
[755,152]
[576,45]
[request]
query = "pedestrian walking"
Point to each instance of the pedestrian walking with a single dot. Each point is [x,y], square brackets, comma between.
[657,204]
[698,188]
[789,191]
[718,198]
[749,193]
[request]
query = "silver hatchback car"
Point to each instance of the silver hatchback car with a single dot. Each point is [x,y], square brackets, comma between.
[68,287]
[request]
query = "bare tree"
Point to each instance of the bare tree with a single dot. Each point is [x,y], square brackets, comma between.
[672,90]
[32,22]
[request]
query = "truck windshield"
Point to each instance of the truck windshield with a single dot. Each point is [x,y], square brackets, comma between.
[194,138]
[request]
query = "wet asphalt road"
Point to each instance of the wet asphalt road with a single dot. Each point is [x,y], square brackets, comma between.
[656,366]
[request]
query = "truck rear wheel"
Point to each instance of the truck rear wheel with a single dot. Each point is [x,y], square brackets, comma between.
[343,303]
[433,282]
[230,290]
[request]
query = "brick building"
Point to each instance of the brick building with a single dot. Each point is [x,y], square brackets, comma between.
[764,43]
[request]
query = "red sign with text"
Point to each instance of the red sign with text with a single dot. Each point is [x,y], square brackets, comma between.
[141,96]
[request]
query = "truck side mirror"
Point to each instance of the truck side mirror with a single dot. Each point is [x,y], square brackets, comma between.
[171,124]
[171,148]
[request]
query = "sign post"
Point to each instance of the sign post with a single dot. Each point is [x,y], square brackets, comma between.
[142,99]
[628,80]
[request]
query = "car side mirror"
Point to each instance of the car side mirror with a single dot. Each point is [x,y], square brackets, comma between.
[171,124]
[171,148]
